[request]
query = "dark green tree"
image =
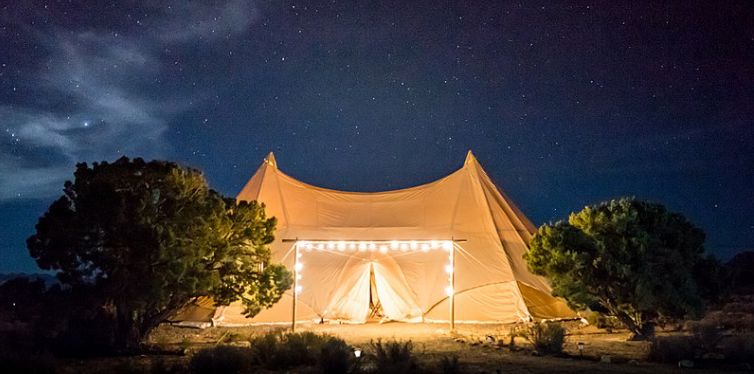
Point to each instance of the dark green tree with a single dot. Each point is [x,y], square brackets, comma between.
[628,258]
[145,238]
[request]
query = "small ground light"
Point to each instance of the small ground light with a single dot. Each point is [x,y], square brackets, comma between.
[357,352]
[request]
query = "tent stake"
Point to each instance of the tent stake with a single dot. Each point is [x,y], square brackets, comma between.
[295,286]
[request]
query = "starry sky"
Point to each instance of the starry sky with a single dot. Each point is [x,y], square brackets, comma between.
[564,103]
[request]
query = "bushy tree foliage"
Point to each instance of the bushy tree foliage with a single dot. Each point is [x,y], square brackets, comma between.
[145,238]
[632,259]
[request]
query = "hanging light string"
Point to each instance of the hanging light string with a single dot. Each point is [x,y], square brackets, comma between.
[385,246]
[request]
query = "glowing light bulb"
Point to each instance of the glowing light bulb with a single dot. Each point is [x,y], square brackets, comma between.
[299,289]
[351,245]
[298,266]
[298,276]
[371,247]
[404,247]
[362,246]
[449,269]
[341,245]
[449,291]
[320,247]
[357,353]
[413,245]
[425,247]
[383,249]
[330,245]
[447,245]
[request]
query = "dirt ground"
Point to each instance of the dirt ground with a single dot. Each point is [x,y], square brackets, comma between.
[476,351]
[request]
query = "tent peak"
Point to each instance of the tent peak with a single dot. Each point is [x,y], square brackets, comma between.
[469,158]
[270,160]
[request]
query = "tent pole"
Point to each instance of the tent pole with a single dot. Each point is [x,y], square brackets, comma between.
[295,286]
[453,288]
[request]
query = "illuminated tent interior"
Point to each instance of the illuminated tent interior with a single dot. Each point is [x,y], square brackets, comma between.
[395,255]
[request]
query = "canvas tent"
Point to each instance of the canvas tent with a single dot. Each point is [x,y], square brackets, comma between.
[451,248]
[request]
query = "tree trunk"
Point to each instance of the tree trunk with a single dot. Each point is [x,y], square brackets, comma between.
[127,334]
[639,331]
[130,331]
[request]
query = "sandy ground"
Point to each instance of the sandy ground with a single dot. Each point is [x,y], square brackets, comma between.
[476,352]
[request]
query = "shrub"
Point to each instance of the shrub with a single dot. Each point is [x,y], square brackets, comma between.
[547,338]
[671,349]
[263,348]
[297,349]
[280,351]
[450,365]
[336,357]
[221,359]
[394,357]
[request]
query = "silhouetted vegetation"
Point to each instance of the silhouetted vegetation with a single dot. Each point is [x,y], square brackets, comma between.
[394,357]
[221,359]
[631,259]
[547,338]
[138,240]
[279,351]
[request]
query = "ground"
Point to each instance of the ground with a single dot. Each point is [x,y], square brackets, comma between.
[470,343]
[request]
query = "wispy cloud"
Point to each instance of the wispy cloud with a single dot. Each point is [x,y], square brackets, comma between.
[96,95]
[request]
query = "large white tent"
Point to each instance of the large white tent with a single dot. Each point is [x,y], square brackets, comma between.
[449,249]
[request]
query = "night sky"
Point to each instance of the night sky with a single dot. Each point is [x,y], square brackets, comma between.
[564,105]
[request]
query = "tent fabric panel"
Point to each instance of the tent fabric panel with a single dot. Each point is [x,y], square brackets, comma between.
[326,277]
[499,302]
[350,301]
[424,274]
[200,310]
[281,312]
[544,306]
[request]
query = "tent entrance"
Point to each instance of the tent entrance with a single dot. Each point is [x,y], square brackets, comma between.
[362,281]
[375,306]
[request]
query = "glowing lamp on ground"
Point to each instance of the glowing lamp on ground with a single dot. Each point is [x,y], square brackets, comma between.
[394,244]
[298,266]
[299,289]
[447,245]
[357,352]
[449,291]
[383,249]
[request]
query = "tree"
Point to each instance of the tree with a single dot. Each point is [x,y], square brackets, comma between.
[629,258]
[145,238]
